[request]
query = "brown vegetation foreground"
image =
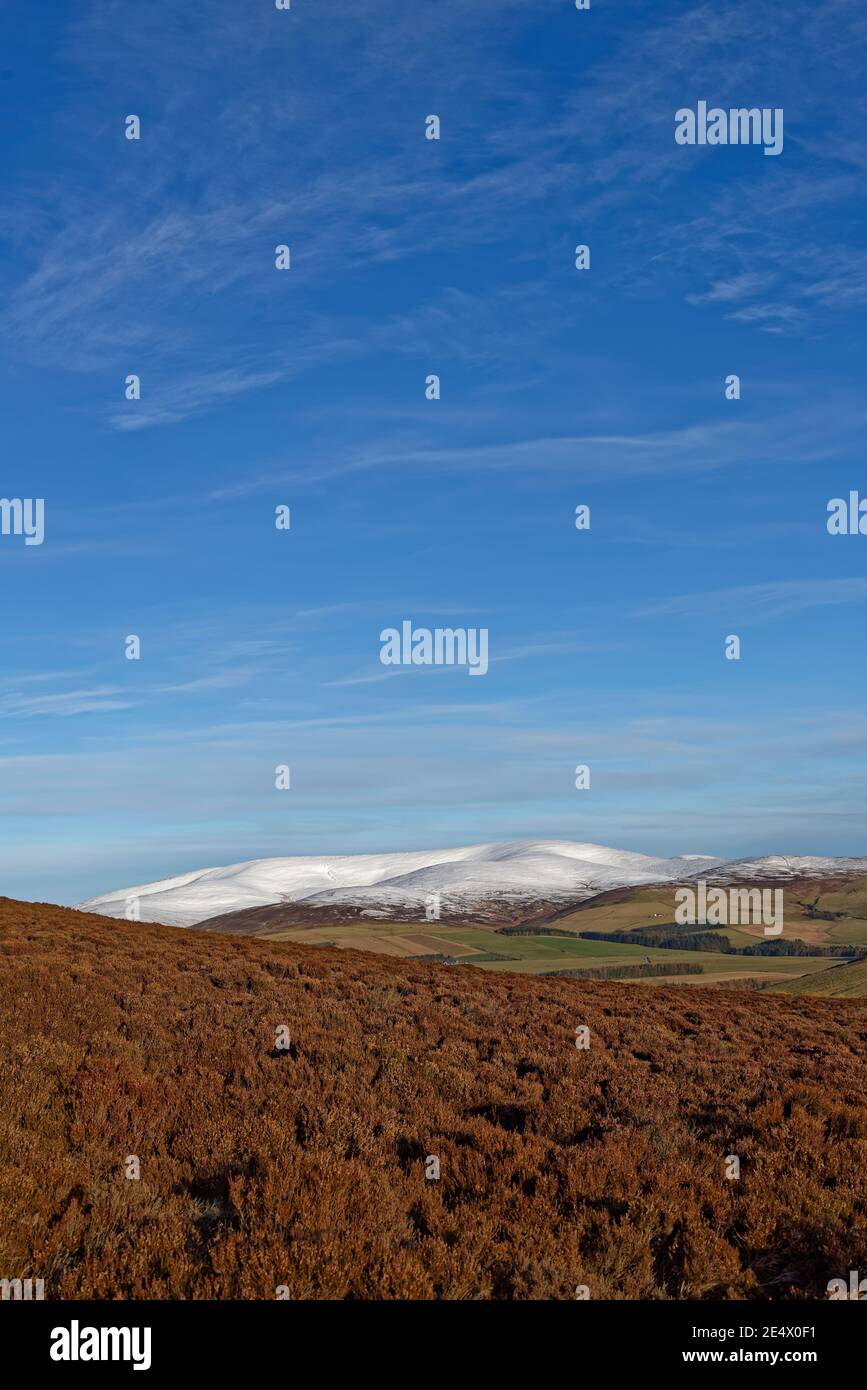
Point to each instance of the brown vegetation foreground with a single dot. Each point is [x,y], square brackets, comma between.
[306,1168]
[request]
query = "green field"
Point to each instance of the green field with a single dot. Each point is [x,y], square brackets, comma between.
[535,955]
[844,982]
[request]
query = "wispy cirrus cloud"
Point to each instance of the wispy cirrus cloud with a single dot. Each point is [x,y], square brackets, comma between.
[809,433]
[775,599]
[130,283]
[99,699]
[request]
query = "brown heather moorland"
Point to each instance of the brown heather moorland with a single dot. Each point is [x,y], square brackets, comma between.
[305,1168]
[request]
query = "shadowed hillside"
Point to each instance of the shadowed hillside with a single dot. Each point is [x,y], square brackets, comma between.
[305,1168]
[843,982]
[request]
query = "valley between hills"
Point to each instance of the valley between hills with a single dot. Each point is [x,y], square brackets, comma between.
[620,933]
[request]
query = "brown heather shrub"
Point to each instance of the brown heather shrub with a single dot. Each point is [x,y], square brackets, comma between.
[559,1167]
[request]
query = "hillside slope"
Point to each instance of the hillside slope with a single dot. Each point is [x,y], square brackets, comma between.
[842,982]
[306,1168]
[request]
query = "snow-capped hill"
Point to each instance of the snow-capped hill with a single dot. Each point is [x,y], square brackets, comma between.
[471,878]
[190,898]
[782,867]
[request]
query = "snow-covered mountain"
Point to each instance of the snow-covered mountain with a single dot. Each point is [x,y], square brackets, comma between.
[783,867]
[474,879]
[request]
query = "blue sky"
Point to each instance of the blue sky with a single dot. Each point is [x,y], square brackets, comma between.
[306,388]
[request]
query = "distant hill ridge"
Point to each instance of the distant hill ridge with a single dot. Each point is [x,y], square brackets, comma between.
[499,883]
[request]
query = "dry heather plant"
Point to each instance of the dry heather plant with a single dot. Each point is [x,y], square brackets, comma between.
[306,1168]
